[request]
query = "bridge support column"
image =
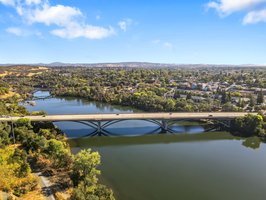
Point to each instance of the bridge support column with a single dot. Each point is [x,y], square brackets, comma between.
[164,126]
[99,128]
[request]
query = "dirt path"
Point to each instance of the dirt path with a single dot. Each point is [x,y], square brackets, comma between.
[46,187]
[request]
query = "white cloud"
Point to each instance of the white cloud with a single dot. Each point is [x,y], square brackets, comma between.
[14,30]
[23,32]
[255,9]
[124,24]
[226,7]
[29,2]
[254,17]
[59,15]
[70,21]
[87,31]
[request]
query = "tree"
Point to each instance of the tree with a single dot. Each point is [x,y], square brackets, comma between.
[87,190]
[20,156]
[23,122]
[229,98]
[248,125]
[84,165]
[224,98]
[189,96]
[177,94]
[84,177]
[240,102]
[170,105]
[4,134]
[229,107]
[59,153]
[260,97]
[251,101]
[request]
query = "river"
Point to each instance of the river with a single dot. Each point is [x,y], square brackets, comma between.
[189,165]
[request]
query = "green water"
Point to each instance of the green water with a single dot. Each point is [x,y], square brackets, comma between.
[208,166]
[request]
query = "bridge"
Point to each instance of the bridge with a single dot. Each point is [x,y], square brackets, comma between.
[41,98]
[38,97]
[99,122]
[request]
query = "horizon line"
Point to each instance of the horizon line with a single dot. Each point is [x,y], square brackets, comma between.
[125,62]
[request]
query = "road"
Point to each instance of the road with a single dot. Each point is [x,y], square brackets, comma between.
[130,116]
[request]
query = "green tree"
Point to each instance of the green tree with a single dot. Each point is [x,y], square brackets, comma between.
[23,122]
[87,190]
[248,125]
[241,102]
[229,107]
[260,97]
[84,177]
[170,105]
[84,165]
[189,96]
[4,134]
[177,94]
[59,153]
[251,101]
[224,98]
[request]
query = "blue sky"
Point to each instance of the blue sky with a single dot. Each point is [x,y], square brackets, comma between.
[166,31]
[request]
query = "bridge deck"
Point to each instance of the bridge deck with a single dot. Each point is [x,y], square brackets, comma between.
[130,116]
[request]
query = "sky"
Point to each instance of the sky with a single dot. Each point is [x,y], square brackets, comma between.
[161,31]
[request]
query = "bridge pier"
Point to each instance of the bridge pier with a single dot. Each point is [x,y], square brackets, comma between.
[99,128]
[219,125]
[164,126]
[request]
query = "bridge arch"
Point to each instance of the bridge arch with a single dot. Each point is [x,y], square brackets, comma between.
[100,128]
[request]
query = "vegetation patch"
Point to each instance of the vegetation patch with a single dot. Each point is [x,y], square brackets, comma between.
[41,148]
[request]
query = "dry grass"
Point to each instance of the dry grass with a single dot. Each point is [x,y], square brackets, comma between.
[32,74]
[3,74]
[34,195]
[60,196]
[22,71]
[8,95]
[39,68]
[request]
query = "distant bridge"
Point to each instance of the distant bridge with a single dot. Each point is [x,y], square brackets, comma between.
[99,122]
[41,97]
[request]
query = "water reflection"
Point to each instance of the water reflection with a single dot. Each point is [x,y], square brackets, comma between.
[151,139]
[187,129]
[252,142]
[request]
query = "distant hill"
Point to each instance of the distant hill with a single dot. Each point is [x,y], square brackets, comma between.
[131,64]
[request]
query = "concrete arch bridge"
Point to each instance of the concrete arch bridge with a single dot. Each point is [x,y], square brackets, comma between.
[100,122]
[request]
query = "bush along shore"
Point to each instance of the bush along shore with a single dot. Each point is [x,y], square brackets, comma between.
[250,125]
